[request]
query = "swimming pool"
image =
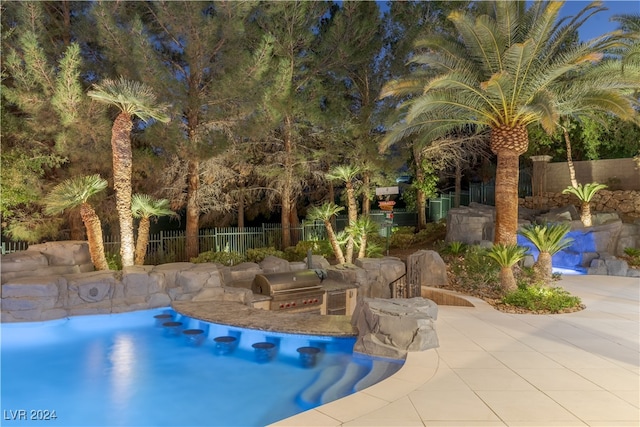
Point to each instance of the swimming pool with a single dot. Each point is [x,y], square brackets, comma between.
[124,370]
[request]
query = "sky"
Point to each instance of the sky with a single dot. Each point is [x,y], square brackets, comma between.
[599,23]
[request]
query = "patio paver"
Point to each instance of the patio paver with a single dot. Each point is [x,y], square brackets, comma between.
[498,369]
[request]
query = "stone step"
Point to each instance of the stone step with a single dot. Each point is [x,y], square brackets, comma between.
[311,395]
[379,371]
[344,386]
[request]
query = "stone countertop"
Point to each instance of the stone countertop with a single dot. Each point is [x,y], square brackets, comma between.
[334,285]
[236,314]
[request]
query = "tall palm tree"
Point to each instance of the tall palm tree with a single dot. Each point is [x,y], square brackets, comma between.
[144,207]
[133,99]
[324,213]
[75,192]
[498,72]
[549,239]
[585,193]
[348,174]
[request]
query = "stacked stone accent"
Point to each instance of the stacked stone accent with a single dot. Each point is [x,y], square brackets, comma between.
[625,203]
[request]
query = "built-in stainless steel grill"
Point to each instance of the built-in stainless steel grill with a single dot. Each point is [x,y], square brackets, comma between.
[294,291]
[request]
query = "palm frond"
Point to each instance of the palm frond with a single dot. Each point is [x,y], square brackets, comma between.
[72,192]
[548,238]
[585,192]
[145,206]
[131,97]
[324,212]
[506,255]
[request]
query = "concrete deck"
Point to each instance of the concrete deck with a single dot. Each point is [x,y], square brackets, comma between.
[498,369]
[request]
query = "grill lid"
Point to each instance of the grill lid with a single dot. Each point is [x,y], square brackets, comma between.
[290,281]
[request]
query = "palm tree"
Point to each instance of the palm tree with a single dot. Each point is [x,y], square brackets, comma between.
[324,213]
[75,192]
[585,194]
[144,207]
[506,256]
[499,72]
[549,239]
[133,99]
[348,174]
[359,232]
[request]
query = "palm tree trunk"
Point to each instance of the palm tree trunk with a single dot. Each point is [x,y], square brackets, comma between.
[543,267]
[585,214]
[421,198]
[240,210]
[363,246]
[507,279]
[353,216]
[572,169]
[334,242]
[508,143]
[366,202]
[193,210]
[122,166]
[143,240]
[94,236]
[421,205]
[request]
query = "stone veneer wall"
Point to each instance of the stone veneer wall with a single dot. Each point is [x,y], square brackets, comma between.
[624,202]
[53,282]
[624,171]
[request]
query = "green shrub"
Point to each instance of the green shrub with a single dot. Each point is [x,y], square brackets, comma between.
[257,255]
[633,256]
[224,258]
[113,261]
[541,298]
[476,270]
[375,250]
[401,240]
[435,231]
[299,251]
[455,248]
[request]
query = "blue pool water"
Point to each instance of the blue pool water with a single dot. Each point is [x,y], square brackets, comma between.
[124,370]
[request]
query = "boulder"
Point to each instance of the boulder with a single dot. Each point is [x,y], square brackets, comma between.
[272,264]
[245,271]
[70,252]
[426,268]
[23,261]
[318,261]
[380,273]
[393,327]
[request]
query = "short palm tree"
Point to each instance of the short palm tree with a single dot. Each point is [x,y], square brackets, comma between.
[324,213]
[499,71]
[549,239]
[145,207]
[359,232]
[585,193]
[348,174]
[76,192]
[507,256]
[133,99]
